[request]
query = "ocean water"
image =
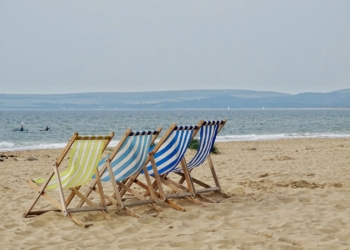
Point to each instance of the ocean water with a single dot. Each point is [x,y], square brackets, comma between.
[242,125]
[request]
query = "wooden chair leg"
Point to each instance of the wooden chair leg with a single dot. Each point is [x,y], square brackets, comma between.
[43,194]
[60,191]
[187,176]
[156,176]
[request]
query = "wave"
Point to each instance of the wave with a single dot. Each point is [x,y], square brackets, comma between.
[10,146]
[254,137]
[5,145]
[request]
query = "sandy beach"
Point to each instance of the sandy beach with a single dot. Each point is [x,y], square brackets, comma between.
[284,194]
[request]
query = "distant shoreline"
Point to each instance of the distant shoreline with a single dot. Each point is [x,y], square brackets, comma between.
[179,100]
[231,109]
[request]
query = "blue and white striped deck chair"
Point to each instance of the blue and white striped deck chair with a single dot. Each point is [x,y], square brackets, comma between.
[85,152]
[164,157]
[207,137]
[127,159]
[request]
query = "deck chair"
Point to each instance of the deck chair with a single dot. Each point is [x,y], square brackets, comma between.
[208,132]
[164,157]
[128,158]
[85,153]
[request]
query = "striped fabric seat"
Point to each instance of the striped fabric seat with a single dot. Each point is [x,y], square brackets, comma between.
[85,154]
[207,136]
[131,157]
[172,150]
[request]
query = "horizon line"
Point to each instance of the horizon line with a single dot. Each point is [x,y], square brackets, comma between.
[184,90]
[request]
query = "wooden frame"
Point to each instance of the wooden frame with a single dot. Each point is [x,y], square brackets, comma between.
[120,189]
[64,203]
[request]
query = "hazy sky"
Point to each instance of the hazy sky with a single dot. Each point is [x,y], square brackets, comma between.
[124,46]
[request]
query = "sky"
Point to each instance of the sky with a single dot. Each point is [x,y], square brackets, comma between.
[65,46]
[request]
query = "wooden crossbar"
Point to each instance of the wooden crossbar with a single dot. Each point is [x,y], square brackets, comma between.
[137,202]
[211,189]
[86,209]
[180,195]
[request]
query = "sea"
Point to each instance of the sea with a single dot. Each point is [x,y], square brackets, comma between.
[242,124]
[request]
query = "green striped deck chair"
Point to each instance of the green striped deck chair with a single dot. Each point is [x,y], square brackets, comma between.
[129,157]
[84,155]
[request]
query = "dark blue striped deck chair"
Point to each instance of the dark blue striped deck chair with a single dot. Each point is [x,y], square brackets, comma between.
[164,158]
[207,136]
[127,159]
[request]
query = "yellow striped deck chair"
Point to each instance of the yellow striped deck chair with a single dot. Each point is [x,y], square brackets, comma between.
[84,155]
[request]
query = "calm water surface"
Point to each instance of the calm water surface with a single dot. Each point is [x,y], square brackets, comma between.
[241,124]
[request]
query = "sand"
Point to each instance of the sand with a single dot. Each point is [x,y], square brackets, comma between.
[284,194]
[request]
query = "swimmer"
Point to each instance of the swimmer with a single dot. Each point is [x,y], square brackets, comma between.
[21,129]
[46,129]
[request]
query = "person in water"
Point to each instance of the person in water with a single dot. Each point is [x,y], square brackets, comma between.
[47,128]
[21,129]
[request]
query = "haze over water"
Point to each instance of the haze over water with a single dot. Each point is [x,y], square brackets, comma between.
[242,125]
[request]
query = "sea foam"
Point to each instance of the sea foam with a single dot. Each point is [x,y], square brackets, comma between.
[6,145]
[254,137]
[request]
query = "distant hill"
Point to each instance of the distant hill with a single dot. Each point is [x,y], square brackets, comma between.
[182,99]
